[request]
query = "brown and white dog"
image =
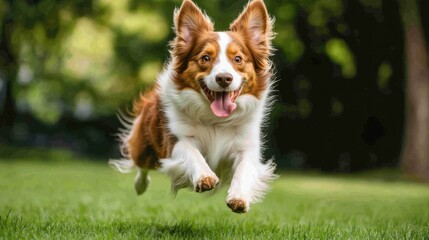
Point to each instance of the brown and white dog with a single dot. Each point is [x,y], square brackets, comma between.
[201,124]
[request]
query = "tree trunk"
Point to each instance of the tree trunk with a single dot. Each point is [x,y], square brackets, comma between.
[415,154]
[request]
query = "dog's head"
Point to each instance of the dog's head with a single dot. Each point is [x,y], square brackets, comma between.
[222,66]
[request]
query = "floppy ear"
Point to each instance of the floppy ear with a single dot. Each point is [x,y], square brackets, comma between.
[189,22]
[255,23]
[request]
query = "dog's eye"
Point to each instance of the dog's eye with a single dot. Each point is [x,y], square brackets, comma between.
[238,59]
[205,58]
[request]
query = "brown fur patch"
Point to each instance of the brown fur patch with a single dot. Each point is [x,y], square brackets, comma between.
[253,28]
[237,205]
[190,23]
[206,184]
[252,83]
[190,72]
[150,139]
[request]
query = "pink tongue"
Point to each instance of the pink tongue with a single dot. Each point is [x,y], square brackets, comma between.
[222,106]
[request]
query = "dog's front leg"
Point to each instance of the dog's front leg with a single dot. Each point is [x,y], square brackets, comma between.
[250,181]
[187,167]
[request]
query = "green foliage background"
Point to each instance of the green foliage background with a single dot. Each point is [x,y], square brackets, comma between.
[69,66]
[88,58]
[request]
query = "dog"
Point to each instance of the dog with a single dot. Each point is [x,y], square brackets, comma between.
[201,123]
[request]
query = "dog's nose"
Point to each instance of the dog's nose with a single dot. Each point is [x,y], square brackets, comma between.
[224,79]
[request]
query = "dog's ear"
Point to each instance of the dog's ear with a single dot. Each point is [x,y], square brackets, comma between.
[189,22]
[256,25]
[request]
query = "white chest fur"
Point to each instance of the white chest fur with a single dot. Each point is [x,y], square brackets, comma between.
[217,139]
[210,147]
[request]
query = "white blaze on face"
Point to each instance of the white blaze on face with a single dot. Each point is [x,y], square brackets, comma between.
[223,65]
[223,104]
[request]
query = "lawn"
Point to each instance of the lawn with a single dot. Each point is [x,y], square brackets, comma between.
[71,198]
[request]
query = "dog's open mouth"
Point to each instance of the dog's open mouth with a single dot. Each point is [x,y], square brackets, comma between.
[222,103]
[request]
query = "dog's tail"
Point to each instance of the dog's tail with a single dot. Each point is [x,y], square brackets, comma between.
[122,165]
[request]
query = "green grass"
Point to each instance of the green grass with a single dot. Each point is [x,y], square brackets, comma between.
[78,199]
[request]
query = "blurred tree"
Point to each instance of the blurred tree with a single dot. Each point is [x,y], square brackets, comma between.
[343,96]
[75,62]
[79,58]
[31,37]
[415,156]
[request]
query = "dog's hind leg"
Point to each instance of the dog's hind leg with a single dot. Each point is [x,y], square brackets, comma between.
[141,181]
[136,151]
[141,153]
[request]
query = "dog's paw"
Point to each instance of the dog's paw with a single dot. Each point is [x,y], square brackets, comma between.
[206,183]
[238,205]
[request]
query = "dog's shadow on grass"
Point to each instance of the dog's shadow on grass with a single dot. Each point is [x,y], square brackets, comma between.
[189,229]
[182,229]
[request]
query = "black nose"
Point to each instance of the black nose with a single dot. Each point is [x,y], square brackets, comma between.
[224,79]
